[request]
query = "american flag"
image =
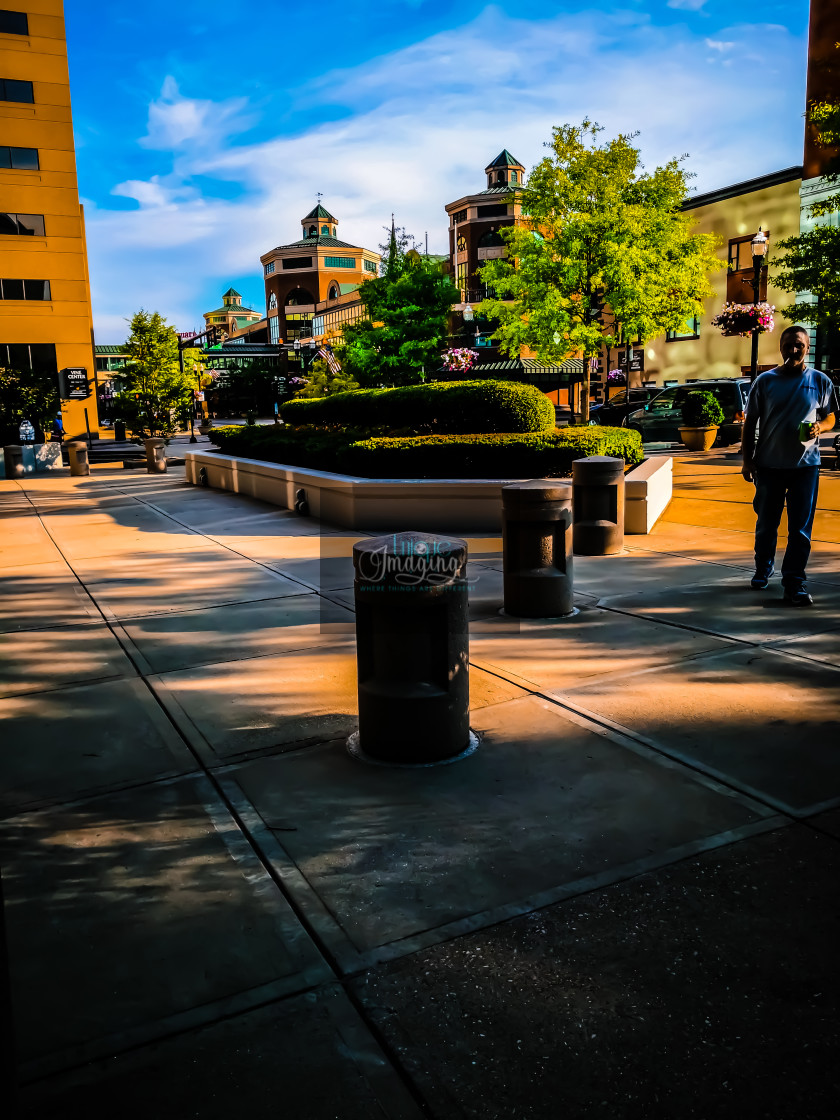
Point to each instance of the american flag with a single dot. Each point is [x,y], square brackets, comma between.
[330,359]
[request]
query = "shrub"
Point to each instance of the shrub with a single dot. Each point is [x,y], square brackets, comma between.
[529,455]
[444,406]
[701,409]
[299,447]
[525,455]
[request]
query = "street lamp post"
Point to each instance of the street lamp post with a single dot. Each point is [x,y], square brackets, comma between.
[759,252]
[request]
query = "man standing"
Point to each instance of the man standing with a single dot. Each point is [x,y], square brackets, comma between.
[790,406]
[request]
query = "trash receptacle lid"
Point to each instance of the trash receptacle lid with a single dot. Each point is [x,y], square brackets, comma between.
[597,469]
[537,490]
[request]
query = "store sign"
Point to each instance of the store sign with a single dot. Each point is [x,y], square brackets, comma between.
[73,384]
[637,361]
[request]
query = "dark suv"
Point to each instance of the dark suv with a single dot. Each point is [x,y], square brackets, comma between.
[661,418]
[613,411]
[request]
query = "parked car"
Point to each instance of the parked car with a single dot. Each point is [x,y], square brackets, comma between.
[612,412]
[661,418]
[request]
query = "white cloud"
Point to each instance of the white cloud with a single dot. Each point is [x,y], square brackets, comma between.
[687,5]
[416,130]
[175,120]
[717,45]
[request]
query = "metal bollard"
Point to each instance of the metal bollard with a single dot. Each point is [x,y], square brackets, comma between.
[412,641]
[598,485]
[537,549]
[155,456]
[77,454]
[13,458]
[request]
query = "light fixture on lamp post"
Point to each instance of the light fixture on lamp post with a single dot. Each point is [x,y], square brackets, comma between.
[759,252]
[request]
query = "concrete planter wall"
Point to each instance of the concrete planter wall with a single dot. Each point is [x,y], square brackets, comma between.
[37,457]
[439,505]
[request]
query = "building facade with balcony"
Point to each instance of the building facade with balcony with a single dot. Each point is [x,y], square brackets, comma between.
[734,214]
[318,272]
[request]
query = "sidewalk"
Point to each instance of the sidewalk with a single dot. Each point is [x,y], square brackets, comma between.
[624,904]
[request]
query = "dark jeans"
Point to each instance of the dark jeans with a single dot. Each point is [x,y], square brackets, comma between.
[796,487]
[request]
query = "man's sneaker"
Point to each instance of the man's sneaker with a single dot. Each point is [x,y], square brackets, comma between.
[759,581]
[798,597]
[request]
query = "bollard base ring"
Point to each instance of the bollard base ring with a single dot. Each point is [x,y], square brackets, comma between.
[355,751]
[547,618]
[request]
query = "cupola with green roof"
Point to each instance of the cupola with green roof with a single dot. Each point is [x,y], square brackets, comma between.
[231,316]
[319,222]
[504,170]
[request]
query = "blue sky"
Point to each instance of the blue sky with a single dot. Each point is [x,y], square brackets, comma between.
[204,130]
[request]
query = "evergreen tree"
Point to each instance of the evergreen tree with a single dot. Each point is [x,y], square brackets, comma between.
[603,245]
[400,340]
[153,387]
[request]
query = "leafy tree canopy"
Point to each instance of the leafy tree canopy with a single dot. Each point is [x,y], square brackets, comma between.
[400,339]
[810,263]
[602,244]
[323,382]
[153,387]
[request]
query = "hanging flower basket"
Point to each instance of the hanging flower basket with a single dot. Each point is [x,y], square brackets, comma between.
[459,360]
[616,377]
[741,319]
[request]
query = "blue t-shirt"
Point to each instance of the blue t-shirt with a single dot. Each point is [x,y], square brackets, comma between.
[780,401]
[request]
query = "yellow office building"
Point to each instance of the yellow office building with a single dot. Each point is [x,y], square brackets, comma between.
[45,313]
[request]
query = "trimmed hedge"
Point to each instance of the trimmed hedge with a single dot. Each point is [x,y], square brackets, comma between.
[534,455]
[444,406]
[526,455]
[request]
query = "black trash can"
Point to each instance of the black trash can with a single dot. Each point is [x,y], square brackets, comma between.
[119,431]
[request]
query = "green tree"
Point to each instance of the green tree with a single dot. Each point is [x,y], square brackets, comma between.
[323,382]
[401,337]
[26,395]
[603,245]
[153,387]
[809,265]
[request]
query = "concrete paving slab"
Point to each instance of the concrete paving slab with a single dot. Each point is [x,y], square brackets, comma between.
[544,802]
[39,550]
[757,719]
[821,647]
[35,660]
[178,640]
[738,516]
[720,546]
[327,573]
[126,530]
[200,578]
[732,609]
[612,575]
[707,989]
[42,595]
[594,643]
[136,914]
[76,741]
[308,1056]
[826,822]
[280,702]
[275,548]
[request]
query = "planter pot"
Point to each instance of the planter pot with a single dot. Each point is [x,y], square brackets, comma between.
[699,439]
